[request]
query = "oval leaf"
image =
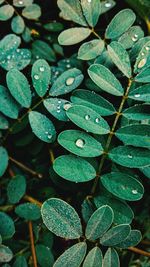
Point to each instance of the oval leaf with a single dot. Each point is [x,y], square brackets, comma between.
[4,160]
[57,107]
[16,189]
[17,24]
[5,253]
[137,112]
[141,93]
[130,37]
[111,258]
[73,36]
[143,76]
[91,11]
[7,227]
[32,12]
[6,12]
[132,239]
[44,255]
[94,258]
[28,211]
[91,49]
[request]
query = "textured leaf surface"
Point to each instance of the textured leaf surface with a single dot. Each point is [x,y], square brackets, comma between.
[43,51]
[94,258]
[143,58]
[111,258]
[61,218]
[57,107]
[20,262]
[143,76]
[16,189]
[5,253]
[74,168]
[132,239]
[7,227]
[28,211]
[4,160]
[44,255]
[91,49]
[17,24]
[141,93]
[130,37]
[137,112]
[6,12]
[73,35]
[32,12]
[91,11]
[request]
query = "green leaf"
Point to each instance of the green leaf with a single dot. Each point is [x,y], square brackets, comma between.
[122,212]
[61,218]
[115,235]
[73,256]
[111,258]
[41,74]
[107,5]
[7,227]
[73,35]
[19,87]
[134,52]
[94,101]
[120,58]
[146,171]
[54,26]
[99,222]
[20,262]
[44,255]
[123,186]
[17,24]
[143,58]
[141,93]
[16,189]
[66,82]
[143,76]
[72,10]
[105,79]
[4,124]
[87,209]
[4,160]
[80,143]
[91,10]
[8,43]
[94,258]
[28,211]
[42,127]
[32,12]
[130,37]
[74,169]
[88,119]
[42,50]
[135,135]
[91,49]
[5,253]
[131,157]
[8,105]
[137,112]
[120,23]
[57,107]
[6,12]
[132,239]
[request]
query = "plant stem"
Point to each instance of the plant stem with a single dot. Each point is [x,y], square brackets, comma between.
[110,137]
[32,244]
[32,200]
[139,251]
[52,158]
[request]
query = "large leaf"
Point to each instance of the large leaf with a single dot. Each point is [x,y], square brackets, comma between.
[111,258]
[57,107]
[73,35]
[16,189]
[42,127]
[80,143]
[120,23]
[74,168]
[94,101]
[19,87]
[73,256]
[123,186]
[141,93]
[91,49]
[4,160]
[7,227]
[66,82]
[137,112]
[94,258]
[88,119]
[91,10]
[132,239]
[61,218]
[135,135]
[28,211]
[131,157]
[120,58]
[99,222]
[105,79]
[115,235]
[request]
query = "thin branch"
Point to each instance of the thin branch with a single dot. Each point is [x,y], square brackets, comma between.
[32,200]
[32,244]
[52,158]
[139,251]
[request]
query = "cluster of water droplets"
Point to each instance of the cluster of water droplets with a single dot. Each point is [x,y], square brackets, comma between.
[87,118]
[135,38]
[36,76]
[144,53]
[49,135]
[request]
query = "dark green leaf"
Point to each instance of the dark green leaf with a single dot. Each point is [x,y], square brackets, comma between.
[16,189]
[44,256]
[73,35]
[4,160]
[42,50]
[7,227]
[137,112]
[143,76]
[94,258]
[28,211]
[141,93]
[91,49]
[132,239]
[111,258]
[91,10]
[20,262]
[57,107]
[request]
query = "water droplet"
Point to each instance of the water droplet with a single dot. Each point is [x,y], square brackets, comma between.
[8,57]
[147,48]
[134,191]
[42,69]
[67,106]
[97,120]
[80,143]
[58,110]
[70,81]
[58,107]
[142,54]
[59,101]
[130,156]
[137,95]
[46,132]
[68,66]
[36,77]
[135,38]
[107,4]
[49,136]
[37,57]
[20,2]
[142,63]
[87,117]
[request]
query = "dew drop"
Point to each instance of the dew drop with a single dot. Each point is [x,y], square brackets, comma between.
[137,95]
[142,54]
[107,4]
[58,107]
[142,63]
[97,120]
[130,156]
[147,48]
[46,132]
[42,69]
[80,143]
[135,38]
[134,191]
[36,77]
[67,106]
[20,2]
[68,66]
[70,81]
[59,101]
[58,110]
[49,136]
[87,117]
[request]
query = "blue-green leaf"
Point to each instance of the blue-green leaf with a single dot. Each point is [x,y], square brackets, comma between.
[4,124]
[143,76]
[44,255]
[94,258]
[73,35]
[130,37]
[137,112]
[91,49]
[91,10]
[132,239]
[7,227]
[111,258]
[42,50]
[141,93]
[28,211]
[4,160]
[20,262]
[17,24]
[57,107]
[16,189]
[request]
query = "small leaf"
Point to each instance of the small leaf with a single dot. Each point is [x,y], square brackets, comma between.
[5,253]
[91,10]
[134,52]
[8,43]
[74,168]
[105,79]
[41,74]
[19,87]
[120,58]
[80,143]
[7,227]
[4,160]
[141,93]
[94,258]
[88,119]
[99,222]
[61,218]
[143,58]
[94,101]
[6,12]
[44,255]
[57,107]
[16,189]
[115,235]
[20,262]
[17,24]
[120,23]
[137,112]
[132,239]
[73,36]
[143,76]
[123,186]
[91,49]
[4,124]
[111,258]
[135,135]
[73,256]
[28,211]
[130,37]
[66,82]
[42,50]
[131,157]
[32,12]
[42,127]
